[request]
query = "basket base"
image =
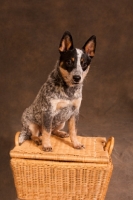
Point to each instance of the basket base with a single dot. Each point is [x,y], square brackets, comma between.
[39,180]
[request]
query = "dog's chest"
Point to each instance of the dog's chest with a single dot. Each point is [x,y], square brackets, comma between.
[59,104]
[63,109]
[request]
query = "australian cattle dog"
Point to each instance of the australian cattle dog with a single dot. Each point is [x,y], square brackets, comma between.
[59,98]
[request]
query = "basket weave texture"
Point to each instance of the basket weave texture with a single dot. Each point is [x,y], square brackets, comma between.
[65,173]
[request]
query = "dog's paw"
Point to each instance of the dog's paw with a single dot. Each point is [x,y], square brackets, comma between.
[61,134]
[47,149]
[37,140]
[78,145]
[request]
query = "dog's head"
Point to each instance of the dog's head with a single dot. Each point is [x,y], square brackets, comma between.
[74,63]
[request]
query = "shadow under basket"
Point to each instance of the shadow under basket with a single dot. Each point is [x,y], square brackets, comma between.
[65,173]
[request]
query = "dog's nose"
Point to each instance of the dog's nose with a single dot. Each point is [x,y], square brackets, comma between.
[76,78]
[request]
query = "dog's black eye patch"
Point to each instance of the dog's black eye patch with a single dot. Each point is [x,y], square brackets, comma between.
[69,63]
[68,60]
[85,61]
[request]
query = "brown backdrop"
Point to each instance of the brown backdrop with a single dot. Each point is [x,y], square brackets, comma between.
[30,32]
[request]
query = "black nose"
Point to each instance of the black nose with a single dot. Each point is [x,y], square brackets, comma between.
[76,78]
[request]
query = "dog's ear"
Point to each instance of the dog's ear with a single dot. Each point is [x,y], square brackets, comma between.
[90,46]
[66,42]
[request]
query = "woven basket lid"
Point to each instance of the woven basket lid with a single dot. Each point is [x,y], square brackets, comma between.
[94,151]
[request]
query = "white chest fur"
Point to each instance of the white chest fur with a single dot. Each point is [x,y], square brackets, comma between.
[58,104]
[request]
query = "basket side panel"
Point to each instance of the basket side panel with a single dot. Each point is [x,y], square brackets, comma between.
[108,175]
[39,180]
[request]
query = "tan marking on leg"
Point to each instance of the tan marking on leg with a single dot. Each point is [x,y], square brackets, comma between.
[59,133]
[46,144]
[73,133]
[35,130]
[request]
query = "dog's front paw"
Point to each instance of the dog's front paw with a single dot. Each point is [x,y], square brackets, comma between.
[47,148]
[78,145]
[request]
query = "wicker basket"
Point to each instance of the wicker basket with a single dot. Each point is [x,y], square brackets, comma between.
[65,173]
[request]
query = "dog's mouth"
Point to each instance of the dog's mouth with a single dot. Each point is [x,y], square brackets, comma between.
[75,83]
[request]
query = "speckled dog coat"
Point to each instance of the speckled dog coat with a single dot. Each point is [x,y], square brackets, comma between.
[59,99]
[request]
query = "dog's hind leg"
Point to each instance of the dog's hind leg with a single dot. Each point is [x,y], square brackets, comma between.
[57,131]
[35,131]
[25,134]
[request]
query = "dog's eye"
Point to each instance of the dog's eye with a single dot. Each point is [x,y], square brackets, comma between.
[69,62]
[84,66]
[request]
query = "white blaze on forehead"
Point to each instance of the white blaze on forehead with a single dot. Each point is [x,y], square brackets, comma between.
[79,54]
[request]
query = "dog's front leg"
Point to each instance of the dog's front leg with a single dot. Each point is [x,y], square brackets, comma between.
[73,133]
[46,130]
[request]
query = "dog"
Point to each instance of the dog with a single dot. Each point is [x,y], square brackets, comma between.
[59,98]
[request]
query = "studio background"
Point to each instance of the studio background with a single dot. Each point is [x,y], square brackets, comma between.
[30,32]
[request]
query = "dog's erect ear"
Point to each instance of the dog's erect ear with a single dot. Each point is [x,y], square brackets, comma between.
[66,42]
[90,46]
